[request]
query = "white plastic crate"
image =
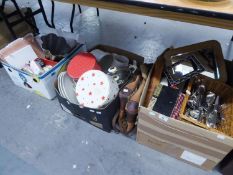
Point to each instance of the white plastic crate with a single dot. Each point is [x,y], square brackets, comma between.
[42,85]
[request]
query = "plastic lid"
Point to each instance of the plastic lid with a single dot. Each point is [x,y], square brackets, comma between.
[81,63]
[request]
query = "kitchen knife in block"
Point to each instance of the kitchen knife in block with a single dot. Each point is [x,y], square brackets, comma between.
[124,95]
[133,104]
[132,107]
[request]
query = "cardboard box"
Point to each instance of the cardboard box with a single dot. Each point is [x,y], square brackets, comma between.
[184,141]
[100,118]
[226,166]
[42,85]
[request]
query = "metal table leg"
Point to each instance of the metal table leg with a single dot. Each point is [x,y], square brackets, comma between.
[98,13]
[3,3]
[44,14]
[52,14]
[28,17]
[72,18]
[80,10]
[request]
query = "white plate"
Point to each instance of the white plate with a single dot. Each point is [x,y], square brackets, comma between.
[60,85]
[68,87]
[95,89]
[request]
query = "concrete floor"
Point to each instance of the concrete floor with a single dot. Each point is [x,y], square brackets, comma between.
[38,138]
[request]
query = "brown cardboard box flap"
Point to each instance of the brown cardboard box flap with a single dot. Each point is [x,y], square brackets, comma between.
[187,129]
[176,138]
[171,150]
[110,49]
[21,43]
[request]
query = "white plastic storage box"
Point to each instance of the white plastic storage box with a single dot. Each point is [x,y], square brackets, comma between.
[42,85]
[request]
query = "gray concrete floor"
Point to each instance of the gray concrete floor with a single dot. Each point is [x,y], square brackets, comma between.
[37,137]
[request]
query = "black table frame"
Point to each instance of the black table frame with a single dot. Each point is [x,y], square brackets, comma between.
[23,18]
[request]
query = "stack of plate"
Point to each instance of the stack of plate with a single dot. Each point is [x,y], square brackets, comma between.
[95,89]
[66,87]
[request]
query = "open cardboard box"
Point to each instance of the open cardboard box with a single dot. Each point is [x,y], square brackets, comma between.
[43,84]
[100,118]
[184,141]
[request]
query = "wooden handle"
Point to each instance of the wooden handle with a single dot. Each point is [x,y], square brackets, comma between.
[133,85]
[137,95]
[155,79]
[132,108]
[144,71]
